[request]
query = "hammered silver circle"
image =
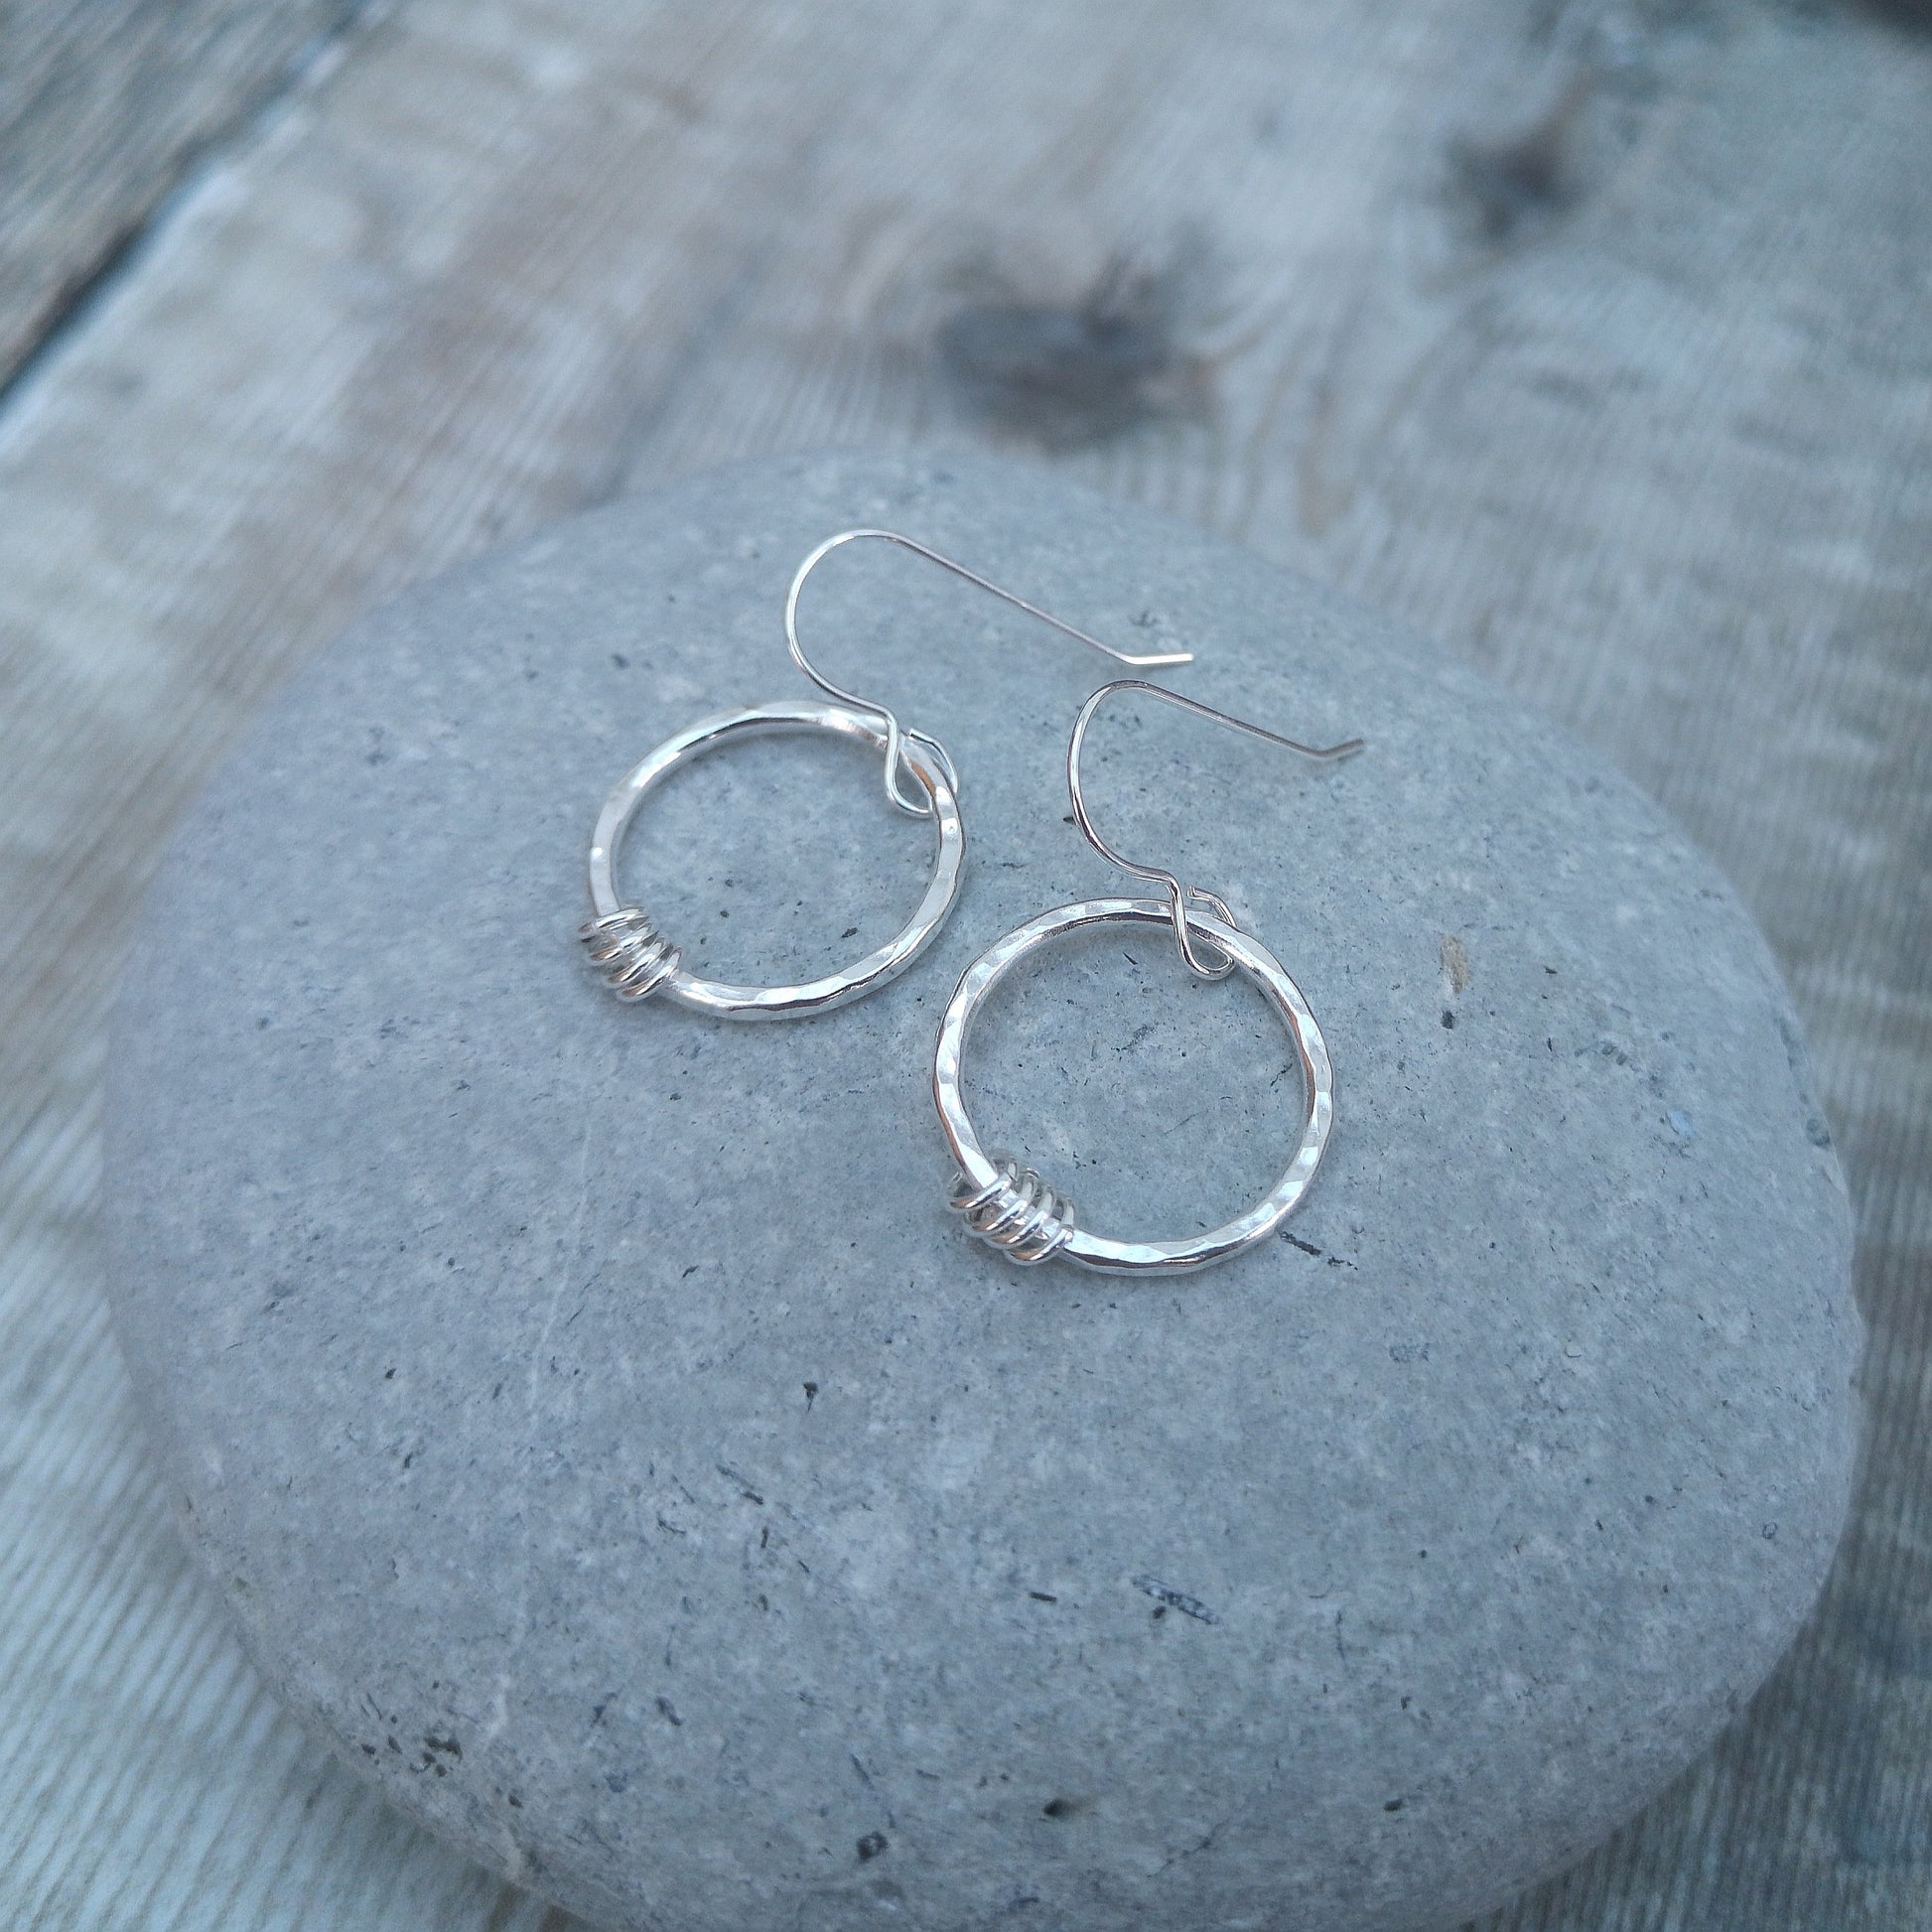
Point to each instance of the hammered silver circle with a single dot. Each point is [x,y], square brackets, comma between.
[981,1174]
[726,1002]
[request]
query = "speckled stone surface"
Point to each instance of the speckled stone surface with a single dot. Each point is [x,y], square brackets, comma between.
[607,1439]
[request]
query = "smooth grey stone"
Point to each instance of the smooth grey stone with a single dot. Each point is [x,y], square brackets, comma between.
[610,1443]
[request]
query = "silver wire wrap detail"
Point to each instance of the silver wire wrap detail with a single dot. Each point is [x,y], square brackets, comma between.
[631,956]
[1016,1213]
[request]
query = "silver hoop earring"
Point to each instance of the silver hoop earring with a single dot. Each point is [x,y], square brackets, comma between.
[1010,1206]
[635,960]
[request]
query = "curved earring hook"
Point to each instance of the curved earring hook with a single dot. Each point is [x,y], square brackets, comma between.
[895,733]
[1177,894]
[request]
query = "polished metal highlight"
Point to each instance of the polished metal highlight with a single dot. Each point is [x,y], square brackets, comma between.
[636,961]
[1012,1207]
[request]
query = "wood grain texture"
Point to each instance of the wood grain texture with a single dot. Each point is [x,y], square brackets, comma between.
[1589,338]
[103,104]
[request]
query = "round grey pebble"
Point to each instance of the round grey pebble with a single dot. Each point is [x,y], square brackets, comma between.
[608,1443]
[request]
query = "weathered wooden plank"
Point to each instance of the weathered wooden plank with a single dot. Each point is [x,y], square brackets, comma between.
[103,103]
[1588,336]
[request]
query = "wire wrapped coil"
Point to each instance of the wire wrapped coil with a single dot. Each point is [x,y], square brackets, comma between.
[1016,1213]
[631,956]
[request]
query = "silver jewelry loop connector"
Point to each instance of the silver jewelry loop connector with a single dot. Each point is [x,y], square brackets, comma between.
[895,734]
[1177,894]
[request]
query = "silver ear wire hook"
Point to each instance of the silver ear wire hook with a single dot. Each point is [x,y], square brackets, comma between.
[895,732]
[1177,894]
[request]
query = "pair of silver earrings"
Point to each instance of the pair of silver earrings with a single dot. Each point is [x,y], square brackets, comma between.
[1004,1203]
